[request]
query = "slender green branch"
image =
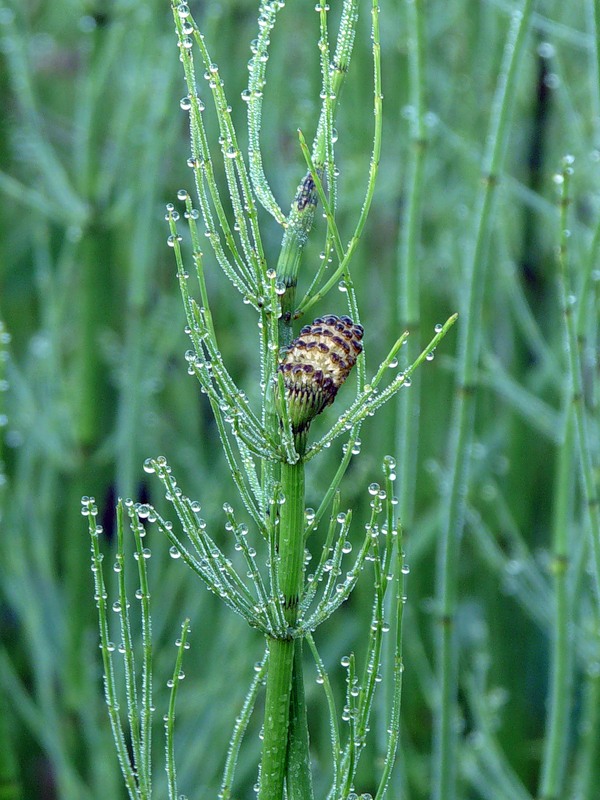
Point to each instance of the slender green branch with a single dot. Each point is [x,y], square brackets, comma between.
[300,219]
[314,579]
[90,510]
[144,766]
[369,400]
[342,269]
[253,95]
[182,645]
[567,297]
[323,678]
[122,608]
[241,727]
[553,767]
[400,572]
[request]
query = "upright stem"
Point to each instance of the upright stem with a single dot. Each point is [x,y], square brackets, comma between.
[277,713]
[291,537]
[407,308]
[299,778]
[281,651]
[444,756]
[556,741]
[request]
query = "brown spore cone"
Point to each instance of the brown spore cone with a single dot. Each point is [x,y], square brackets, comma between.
[316,364]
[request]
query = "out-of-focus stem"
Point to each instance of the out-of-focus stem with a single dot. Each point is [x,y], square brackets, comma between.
[444,755]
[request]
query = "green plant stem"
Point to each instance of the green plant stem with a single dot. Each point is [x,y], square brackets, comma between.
[408,281]
[444,755]
[585,772]
[170,720]
[301,217]
[299,779]
[292,247]
[594,19]
[556,739]
[277,713]
[10,783]
[281,651]
[575,375]
[553,767]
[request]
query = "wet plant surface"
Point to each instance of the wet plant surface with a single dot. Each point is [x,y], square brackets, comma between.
[401,512]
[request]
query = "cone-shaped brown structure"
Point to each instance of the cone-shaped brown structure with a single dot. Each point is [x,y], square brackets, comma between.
[315,365]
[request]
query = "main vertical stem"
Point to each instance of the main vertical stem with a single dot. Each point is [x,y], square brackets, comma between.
[281,651]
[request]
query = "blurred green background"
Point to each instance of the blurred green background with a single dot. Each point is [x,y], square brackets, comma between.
[93,143]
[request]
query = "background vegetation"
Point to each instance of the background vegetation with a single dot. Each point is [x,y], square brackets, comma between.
[92,145]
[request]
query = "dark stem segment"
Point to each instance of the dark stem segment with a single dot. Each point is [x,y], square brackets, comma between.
[300,222]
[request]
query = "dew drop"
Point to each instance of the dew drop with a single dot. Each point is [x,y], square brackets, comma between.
[546,50]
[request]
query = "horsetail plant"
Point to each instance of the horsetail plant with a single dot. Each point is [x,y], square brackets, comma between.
[267,450]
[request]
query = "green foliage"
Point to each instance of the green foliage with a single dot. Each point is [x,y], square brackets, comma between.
[497,447]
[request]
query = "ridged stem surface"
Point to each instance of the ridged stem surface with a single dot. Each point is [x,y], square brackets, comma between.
[280,693]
